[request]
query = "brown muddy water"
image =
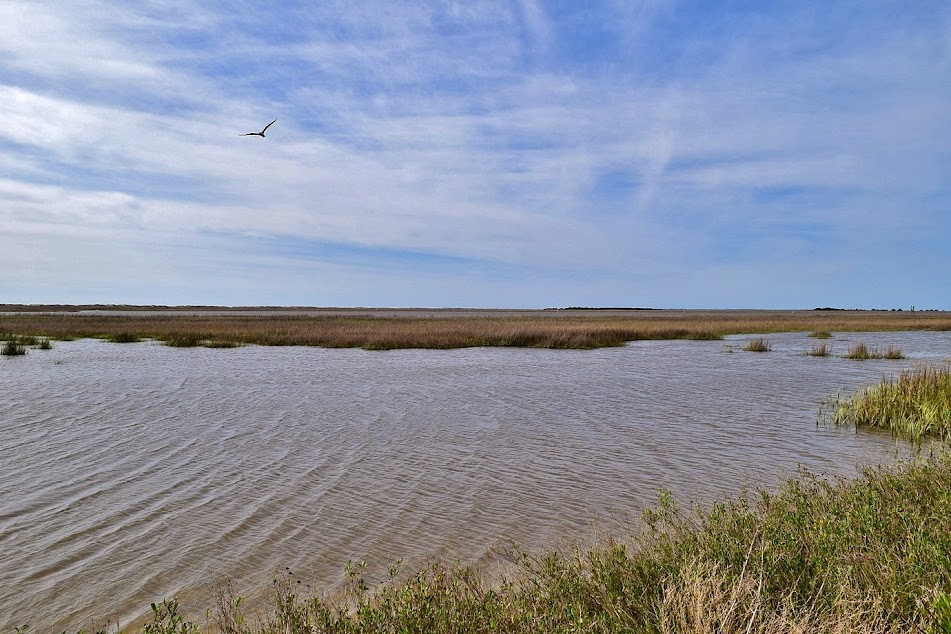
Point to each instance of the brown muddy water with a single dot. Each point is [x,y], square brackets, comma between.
[133,472]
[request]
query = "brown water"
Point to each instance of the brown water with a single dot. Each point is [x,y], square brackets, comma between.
[133,472]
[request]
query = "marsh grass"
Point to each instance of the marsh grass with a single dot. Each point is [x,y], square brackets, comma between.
[861,351]
[386,329]
[893,352]
[198,340]
[212,343]
[758,345]
[819,350]
[12,348]
[817,555]
[371,333]
[915,405]
[184,341]
[16,344]
[123,337]
[820,334]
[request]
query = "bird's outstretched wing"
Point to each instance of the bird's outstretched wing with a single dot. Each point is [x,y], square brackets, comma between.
[261,133]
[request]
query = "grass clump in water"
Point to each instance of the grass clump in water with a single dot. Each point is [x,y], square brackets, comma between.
[861,351]
[12,348]
[758,345]
[820,334]
[893,352]
[915,405]
[820,350]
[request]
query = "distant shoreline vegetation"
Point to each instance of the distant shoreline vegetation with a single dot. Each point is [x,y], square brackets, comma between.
[882,310]
[300,308]
[435,328]
[603,308]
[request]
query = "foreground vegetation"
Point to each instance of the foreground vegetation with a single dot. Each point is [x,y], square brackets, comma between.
[389,329]
[915,405]
[867,555]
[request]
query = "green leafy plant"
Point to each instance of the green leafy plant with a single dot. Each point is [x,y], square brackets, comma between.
[167,620]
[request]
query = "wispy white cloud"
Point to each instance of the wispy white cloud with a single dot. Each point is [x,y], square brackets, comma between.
[768,141]
[536,23]
[45,39]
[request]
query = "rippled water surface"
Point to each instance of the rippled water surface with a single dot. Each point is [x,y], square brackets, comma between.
[133,472]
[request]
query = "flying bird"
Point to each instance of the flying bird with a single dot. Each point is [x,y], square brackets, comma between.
[261,133]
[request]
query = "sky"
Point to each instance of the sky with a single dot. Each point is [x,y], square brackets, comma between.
[482,153]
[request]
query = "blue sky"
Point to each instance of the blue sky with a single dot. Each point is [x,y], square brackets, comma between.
[488,153]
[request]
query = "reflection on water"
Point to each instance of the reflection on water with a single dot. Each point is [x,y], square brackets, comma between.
[133,472]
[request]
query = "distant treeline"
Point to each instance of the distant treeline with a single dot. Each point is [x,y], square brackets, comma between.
[882,310]
[144,307]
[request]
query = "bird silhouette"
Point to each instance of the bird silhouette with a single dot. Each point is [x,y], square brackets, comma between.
[261,133]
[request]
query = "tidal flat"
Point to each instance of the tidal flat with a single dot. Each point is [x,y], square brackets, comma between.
[135,472]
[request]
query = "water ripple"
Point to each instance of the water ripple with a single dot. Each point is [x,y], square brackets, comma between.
[129,473]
